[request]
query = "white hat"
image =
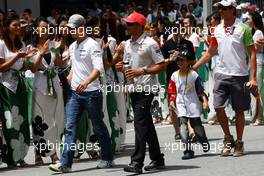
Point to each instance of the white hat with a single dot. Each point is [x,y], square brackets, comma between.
[226,3]
[244,5]
[239,7]
[75,21]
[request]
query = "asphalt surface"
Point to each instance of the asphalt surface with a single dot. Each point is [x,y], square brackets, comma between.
[204,164]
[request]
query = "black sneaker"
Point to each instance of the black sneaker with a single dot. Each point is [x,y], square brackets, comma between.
[188,155]
[134,167]
[156,165]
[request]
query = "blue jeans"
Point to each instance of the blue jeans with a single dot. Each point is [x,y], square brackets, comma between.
[92,102]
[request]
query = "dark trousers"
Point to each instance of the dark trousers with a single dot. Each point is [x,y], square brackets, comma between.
[144,129]
[198,128]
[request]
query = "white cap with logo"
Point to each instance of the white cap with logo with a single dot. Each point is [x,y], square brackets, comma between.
[75,21]
[226,3]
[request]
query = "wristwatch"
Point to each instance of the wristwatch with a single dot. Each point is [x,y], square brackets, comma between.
[145,72]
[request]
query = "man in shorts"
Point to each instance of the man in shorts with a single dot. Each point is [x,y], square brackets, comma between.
[233,41]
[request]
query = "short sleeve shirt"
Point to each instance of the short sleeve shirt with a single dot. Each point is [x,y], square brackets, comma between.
[7,78]
[259,35]
[232,45]
[194,38]
[85,57]
[143,52]
[187,89]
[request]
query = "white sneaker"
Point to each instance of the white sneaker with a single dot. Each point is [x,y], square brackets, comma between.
[58,167]
[105,164]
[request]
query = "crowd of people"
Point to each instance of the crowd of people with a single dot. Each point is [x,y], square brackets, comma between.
[58,80]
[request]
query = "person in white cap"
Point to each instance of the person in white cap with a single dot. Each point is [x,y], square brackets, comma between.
[145,58]
[87,64]
[232,39]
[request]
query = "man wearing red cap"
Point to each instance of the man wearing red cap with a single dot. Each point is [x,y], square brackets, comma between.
[143,54]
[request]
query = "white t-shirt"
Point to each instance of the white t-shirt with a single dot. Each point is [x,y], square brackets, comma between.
[7,78]
[85,57]
[259,35]
[187,101]
[194,38]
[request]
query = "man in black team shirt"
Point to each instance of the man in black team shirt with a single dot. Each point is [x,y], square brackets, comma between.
[170,50]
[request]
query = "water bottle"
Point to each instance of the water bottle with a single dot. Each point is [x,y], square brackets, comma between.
[126,67]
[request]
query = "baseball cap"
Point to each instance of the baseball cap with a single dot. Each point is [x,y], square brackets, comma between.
[185,54]
[136,17]
[250,8]
[226,3]
[75,21]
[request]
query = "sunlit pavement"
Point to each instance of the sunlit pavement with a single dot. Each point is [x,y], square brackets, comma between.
[203,164]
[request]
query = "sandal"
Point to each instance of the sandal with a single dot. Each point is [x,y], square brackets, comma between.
[93,155]
[155,120]
[76,159]
[166,122]
[257,123]
[22,163]
[39,161]
[213,122]
[54,159]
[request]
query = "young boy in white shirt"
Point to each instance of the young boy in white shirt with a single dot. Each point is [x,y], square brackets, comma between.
[187,92]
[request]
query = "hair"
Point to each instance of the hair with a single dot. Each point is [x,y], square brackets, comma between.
[192,20]
[62,18]
[216,16]
[2,12]
[28,11]
[183,7]
[208,18]
[257,20]
[17,43]
[69,39]
[93,22]
[190,4]
[35,25]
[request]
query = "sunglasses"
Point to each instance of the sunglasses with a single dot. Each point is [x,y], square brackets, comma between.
[130,24]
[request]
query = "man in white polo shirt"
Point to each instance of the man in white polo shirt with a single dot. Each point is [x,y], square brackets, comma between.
[234,42]
[145,58]
[87,64]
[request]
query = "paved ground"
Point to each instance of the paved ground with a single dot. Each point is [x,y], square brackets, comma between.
[203,164]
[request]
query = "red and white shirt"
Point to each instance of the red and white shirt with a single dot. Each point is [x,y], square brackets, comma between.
[187,88]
